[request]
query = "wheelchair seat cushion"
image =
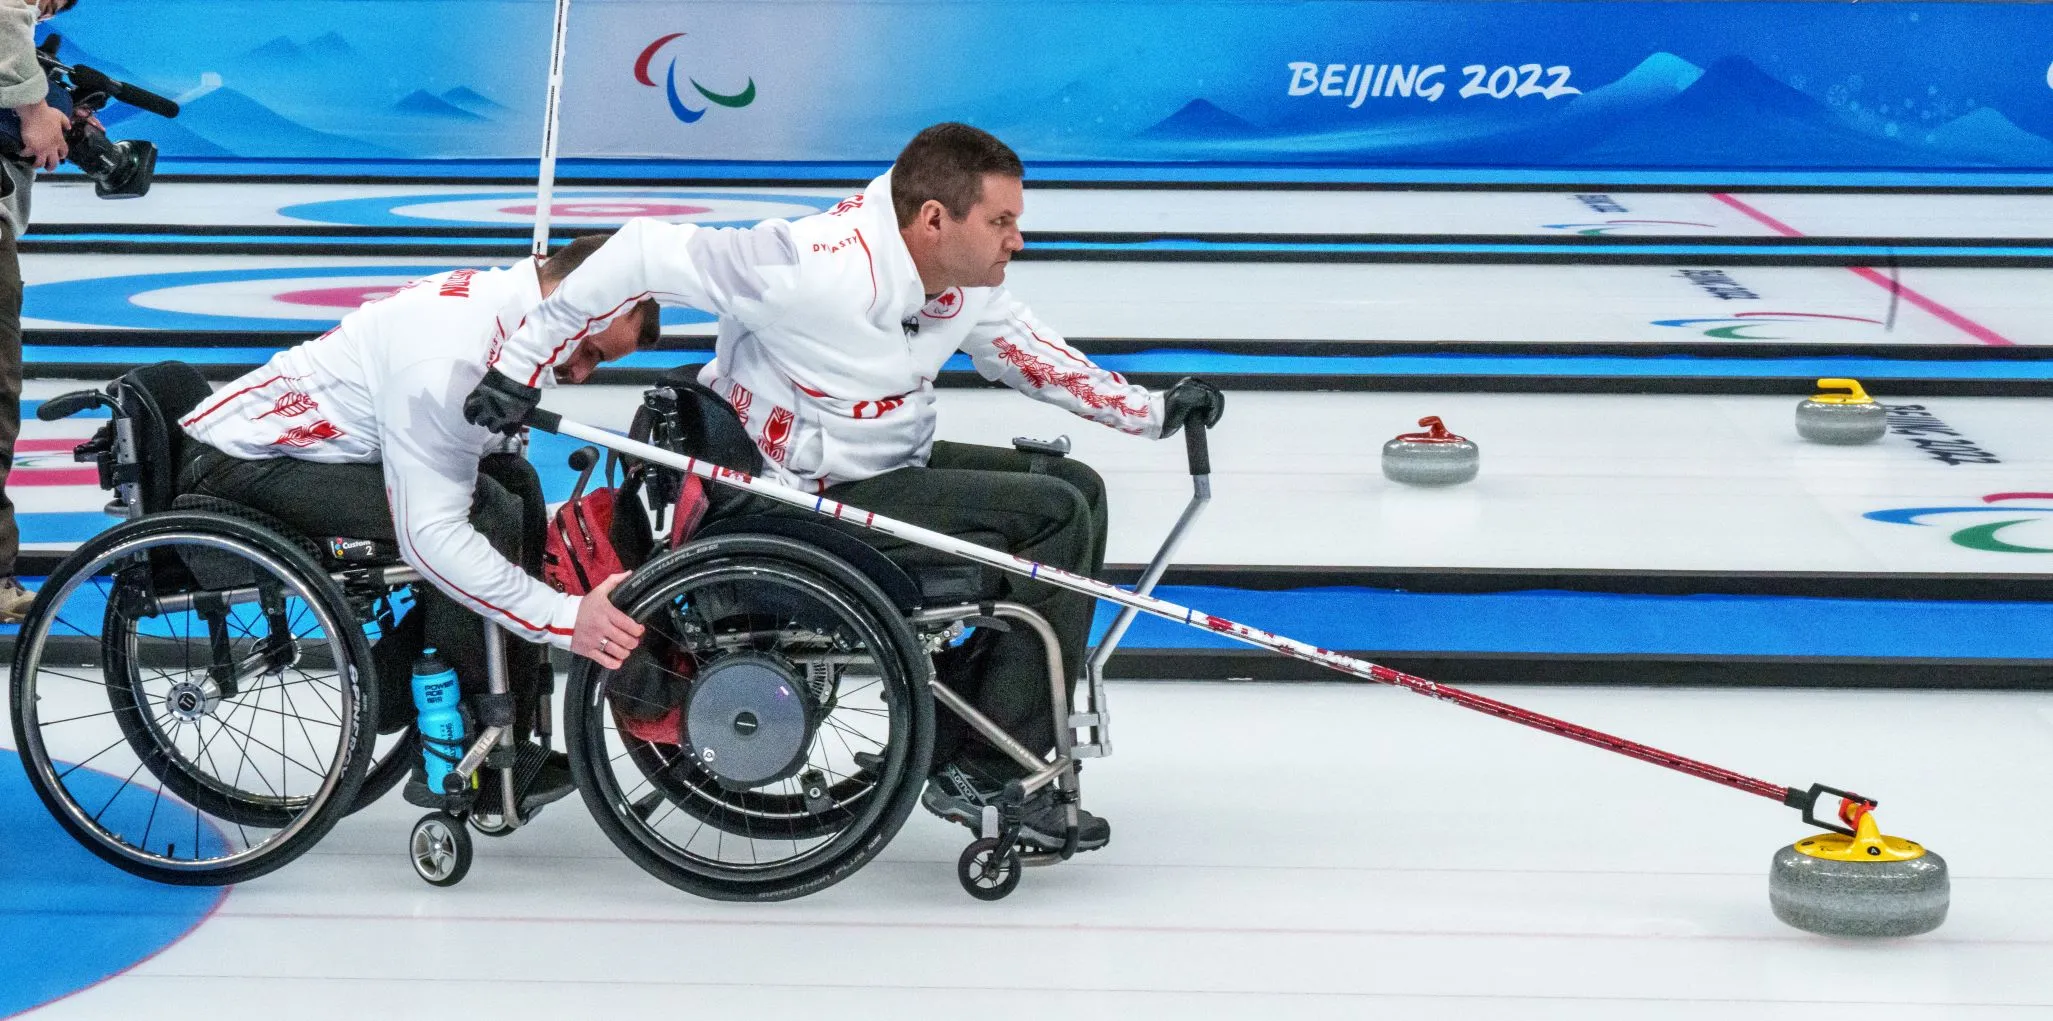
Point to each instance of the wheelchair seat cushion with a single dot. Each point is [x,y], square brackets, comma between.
[332,551]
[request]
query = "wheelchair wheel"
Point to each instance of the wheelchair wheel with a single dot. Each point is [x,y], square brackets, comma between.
[392,758]
[803,731]
[187,701]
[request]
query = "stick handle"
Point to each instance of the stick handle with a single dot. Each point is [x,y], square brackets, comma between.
[1199,451]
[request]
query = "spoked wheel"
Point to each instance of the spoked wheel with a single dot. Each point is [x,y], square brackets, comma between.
[797,732]
[811,805]
[391,761]
[185,702]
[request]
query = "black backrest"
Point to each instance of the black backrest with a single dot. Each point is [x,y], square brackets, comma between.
[154,398]
[710,429]
[680,415]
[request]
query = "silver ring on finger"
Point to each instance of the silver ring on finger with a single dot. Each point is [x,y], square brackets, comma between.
[602,644]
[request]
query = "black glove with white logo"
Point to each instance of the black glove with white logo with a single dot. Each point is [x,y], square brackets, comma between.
[1191,400]
[500,404]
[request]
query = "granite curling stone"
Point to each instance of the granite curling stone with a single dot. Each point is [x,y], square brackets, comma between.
[1843,419]
[1862,886]
[1435,457]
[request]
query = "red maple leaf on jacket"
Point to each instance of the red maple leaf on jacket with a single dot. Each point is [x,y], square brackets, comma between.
[292,405]
[308,435]
[1042,373]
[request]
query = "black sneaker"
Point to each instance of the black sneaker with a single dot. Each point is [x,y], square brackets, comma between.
[957,796]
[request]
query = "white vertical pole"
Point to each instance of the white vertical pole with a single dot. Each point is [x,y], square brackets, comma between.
[545,187]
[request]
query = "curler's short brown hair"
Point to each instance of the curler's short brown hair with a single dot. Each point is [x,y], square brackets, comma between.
[947,163]
[562,261]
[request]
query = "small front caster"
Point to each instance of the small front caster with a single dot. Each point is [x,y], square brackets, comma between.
[440,849]
[988,871]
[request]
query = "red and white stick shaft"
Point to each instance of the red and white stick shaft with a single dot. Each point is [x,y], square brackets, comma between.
[1349,665]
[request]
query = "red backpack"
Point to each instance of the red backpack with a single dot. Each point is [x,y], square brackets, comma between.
[600,533]
[597,534]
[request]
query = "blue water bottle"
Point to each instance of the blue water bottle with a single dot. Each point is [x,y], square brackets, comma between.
[440,722]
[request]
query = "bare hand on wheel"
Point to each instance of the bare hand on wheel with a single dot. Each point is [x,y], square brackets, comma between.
[603,634]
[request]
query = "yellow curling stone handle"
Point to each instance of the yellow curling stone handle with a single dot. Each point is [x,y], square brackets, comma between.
[1855,394]
[1868,843]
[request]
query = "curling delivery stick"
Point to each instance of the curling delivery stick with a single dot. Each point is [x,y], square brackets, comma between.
[1805,801]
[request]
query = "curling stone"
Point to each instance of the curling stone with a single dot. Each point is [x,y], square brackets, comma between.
[1843,419]
[1435,457]
[1865,885]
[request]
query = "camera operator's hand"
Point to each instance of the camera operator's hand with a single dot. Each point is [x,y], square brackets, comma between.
[42,134]
[1191,400]
[499,403]
[86,116]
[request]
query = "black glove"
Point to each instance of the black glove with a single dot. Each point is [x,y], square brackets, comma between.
[1191,400]
[499,403]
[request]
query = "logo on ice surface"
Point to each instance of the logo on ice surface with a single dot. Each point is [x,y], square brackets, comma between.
[1734,327]
[1629,226]
[677,106]
[1983,536]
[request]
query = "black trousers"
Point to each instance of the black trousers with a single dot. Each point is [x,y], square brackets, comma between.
[10,391]
[349,500]
[992,496]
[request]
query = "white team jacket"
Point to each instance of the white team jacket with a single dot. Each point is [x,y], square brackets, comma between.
[828,346]
[387,384]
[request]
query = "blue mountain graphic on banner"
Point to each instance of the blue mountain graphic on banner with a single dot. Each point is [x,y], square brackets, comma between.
[330,46]
[473,101]
[422,102]
[277,52]
[1989,137]
[1657,79]
[1199,118]
[244,127]
[1738,115]
[173,139]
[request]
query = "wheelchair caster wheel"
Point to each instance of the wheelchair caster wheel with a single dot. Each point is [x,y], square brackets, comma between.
[440,849]
[987,872]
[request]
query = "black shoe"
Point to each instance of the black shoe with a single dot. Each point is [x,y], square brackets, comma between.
[956,795]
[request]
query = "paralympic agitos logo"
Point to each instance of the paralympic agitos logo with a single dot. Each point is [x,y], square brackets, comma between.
[677,102]
[1982,535]
[1763,325]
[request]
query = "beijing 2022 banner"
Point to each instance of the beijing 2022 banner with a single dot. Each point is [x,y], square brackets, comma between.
[1594,84]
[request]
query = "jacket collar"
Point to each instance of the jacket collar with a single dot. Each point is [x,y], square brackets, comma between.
[898,279]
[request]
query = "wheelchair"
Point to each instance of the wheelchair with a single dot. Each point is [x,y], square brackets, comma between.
[191,691]
[775,727]
[196,693]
